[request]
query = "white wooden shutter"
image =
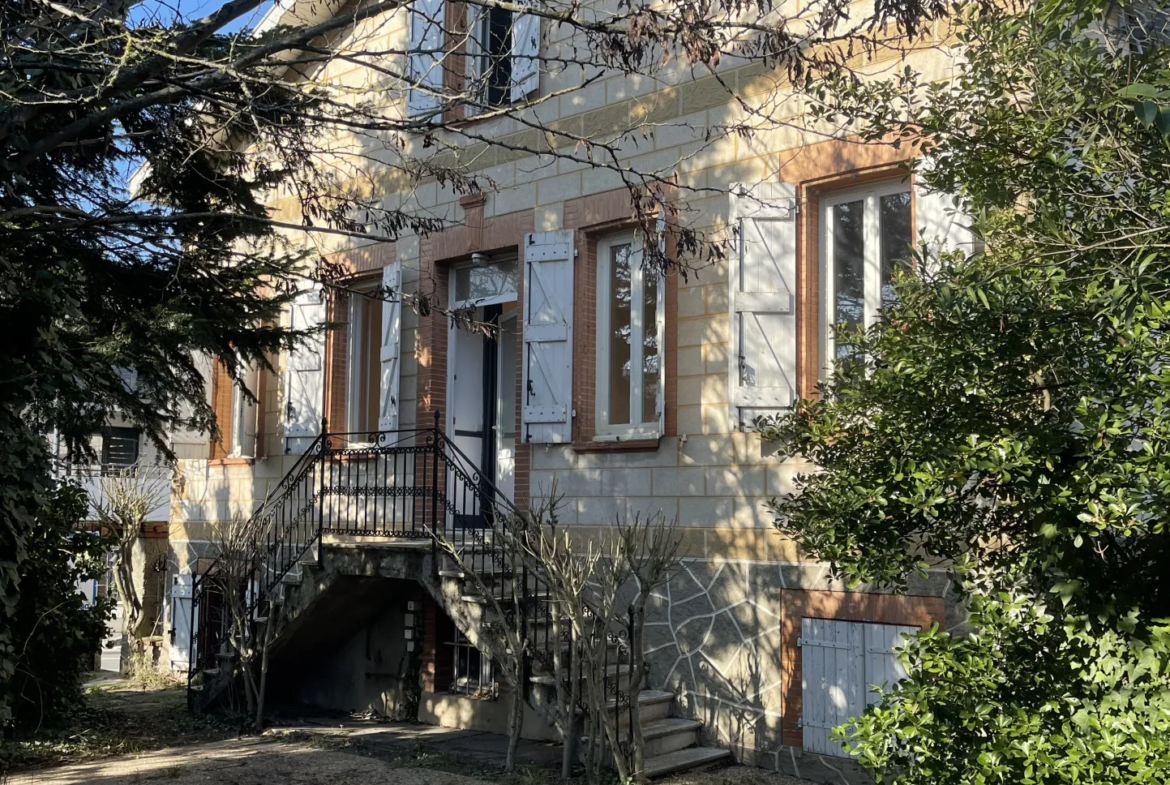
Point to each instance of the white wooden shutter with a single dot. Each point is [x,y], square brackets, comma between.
[306,369]
[391,347]
[660,398]
[428,36]
[182,624]
[525,55]
[763,300]
[546,412]
[939,221]
[832,681]
[845,667]
[883,667]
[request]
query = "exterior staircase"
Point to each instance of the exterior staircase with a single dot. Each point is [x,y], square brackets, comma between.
[349,511]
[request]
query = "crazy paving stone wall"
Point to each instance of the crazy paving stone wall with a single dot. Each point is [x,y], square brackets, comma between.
[714,637]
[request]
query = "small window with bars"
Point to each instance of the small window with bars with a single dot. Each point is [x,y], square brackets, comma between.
[474,674]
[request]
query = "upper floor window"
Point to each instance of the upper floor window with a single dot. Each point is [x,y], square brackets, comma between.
[120,446]
[629,324]
[503,51]
[866,234]
[491,55]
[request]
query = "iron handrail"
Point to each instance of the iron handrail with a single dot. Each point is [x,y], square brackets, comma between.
[279,535]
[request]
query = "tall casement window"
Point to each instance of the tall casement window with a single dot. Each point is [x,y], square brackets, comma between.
[362,364]
[866,235]
[502,48]
[629,350]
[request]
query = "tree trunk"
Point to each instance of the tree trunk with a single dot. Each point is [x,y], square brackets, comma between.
[568,707]
[515,725]
[637,673]
[269,626]
[123,574]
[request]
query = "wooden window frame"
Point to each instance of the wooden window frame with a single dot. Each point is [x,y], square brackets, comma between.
[639,428]
[870,191]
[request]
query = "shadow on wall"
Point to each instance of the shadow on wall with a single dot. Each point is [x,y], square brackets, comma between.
[714,639]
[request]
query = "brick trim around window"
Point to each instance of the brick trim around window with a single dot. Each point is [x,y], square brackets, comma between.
[817,169]
[437,252]
[592,218]
[842,606]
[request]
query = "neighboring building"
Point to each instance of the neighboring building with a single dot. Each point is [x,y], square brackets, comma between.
[633,392]
[118,447]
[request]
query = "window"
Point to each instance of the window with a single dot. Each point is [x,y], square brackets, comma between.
[472,669]
[362,364]
[866,235]
[629,320]
[120,447]
[502,52]
[491,55]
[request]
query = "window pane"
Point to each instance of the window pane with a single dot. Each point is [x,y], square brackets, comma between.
[897,237]
[499,59]
[848,267]
[507,414]
[482,283]
[372,361]
[120,446]
[650,355]
[619,335]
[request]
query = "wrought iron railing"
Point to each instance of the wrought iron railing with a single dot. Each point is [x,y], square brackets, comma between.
[406,483]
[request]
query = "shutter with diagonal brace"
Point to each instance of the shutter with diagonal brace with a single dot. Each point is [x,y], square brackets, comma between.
[391,347]
[546,414]
[763,300]
[428,36]
[306,370]
[525,56]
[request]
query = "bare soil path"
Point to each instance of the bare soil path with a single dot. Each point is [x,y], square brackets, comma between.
[130,736]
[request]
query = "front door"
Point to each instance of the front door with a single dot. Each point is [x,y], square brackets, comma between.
[482,387]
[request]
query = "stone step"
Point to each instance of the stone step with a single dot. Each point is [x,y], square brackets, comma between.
[548,680]
[652,705]
[665,736]
[685,760]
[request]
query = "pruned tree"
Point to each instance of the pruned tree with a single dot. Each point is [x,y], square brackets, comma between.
[123,498]
[651,548]
[236,578]
[503,607]
[601,590]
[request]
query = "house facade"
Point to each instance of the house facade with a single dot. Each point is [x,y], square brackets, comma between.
[622,389]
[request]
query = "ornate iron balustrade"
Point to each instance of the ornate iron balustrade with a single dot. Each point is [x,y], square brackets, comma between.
[412,483]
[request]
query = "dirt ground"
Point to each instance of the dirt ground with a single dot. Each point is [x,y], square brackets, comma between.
[250,761]
[129,736]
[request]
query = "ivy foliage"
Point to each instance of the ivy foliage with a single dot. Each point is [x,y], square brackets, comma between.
[56,633]
[1010,416]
